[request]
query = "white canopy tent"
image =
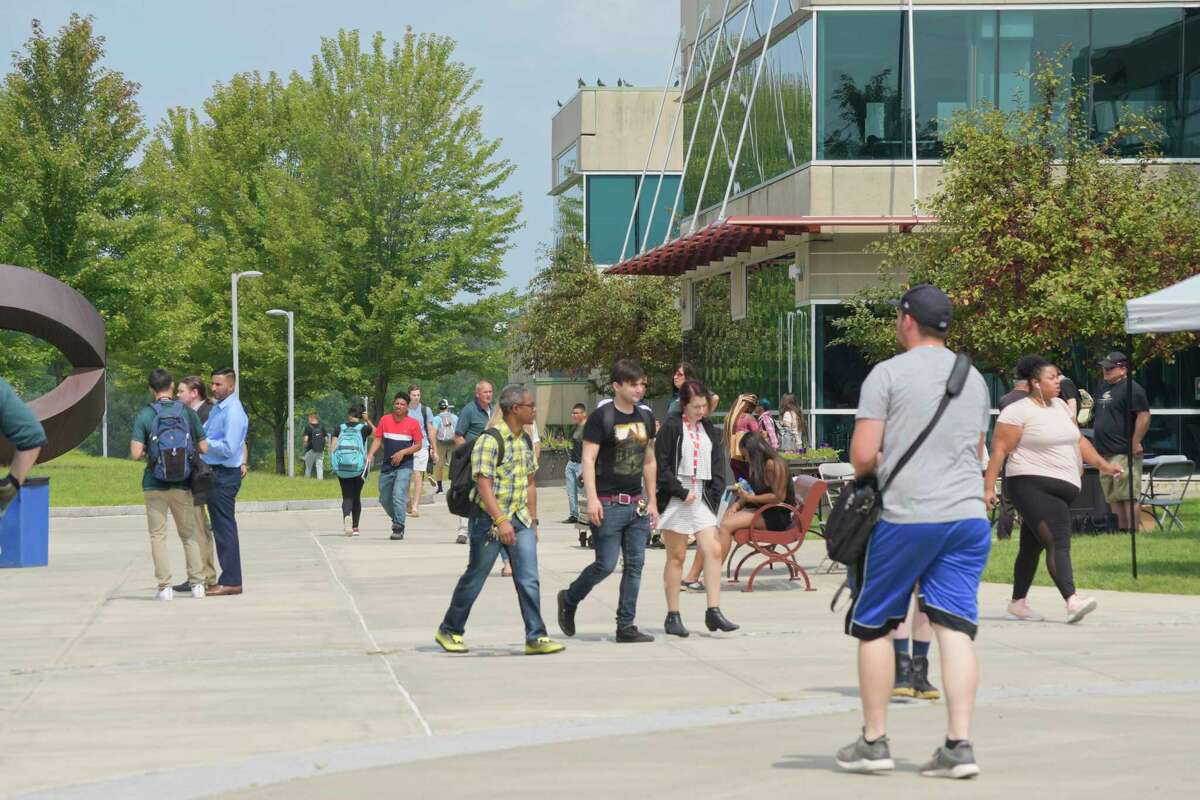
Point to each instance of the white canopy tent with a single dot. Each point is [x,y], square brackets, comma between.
[1175,308]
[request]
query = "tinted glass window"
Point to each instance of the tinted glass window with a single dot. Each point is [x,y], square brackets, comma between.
[862,110]
[1137,53]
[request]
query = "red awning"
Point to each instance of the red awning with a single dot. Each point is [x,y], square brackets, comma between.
[734,235]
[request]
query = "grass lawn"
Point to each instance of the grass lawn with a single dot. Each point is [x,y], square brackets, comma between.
[82,480]
[1167,562]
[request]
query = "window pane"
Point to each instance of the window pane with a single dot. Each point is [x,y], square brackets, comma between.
[566,164]
[1026,34]
[654,213]
[956,70]
[748,355]
[861,75]
[841,369]
[609,201]
[1138,54]
[568,212]
[1190,147]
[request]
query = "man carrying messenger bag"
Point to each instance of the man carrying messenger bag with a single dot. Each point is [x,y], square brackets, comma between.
[919,433]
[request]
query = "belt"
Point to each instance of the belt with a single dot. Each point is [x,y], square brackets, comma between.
[621,499]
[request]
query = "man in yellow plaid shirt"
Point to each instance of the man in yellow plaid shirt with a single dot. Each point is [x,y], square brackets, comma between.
[506,519]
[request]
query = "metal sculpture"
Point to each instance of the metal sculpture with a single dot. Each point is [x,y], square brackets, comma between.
[39,305]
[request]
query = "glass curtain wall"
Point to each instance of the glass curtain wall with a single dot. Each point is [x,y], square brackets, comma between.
[1147,60]
[744,356]
[779,133]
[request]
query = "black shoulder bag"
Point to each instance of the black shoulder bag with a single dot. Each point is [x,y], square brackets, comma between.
[859,505]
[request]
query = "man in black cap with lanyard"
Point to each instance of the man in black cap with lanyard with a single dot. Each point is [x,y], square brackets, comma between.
[1114,402]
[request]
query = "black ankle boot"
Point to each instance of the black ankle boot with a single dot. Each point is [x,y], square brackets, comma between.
[904,682]
[921,686]
[674,625]
[714,620]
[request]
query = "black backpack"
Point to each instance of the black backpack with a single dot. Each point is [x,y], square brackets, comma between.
[462,482]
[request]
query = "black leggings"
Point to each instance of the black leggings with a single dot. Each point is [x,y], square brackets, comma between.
[1044,504]
[352,497]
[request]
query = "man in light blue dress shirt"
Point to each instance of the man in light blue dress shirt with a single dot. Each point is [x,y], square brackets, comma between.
[226,430]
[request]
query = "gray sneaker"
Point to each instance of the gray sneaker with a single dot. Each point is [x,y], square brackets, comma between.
[860,756]
[956,763]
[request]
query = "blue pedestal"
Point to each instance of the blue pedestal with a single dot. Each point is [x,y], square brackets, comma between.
[25,528]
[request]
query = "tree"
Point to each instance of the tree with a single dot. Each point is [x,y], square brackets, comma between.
[391,152]
[70,204]
[1041,236]
[232,181]
[578,321]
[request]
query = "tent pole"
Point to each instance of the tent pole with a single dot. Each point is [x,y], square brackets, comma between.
[1134,516]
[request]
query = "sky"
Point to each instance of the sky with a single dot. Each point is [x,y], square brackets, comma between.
[527,53]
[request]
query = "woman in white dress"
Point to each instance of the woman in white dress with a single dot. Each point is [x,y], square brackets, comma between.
[691,479]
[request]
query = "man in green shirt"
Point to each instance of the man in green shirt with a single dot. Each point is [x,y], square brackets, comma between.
[174,496]
[21,427]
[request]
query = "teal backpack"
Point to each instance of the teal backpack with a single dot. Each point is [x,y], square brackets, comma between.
[349,459]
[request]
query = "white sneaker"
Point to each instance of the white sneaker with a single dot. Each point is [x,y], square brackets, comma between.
[197,590]
[165,593]
[348,526]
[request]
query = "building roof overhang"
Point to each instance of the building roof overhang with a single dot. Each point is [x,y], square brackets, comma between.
[732,236]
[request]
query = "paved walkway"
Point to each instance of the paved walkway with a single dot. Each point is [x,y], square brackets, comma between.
[323,681]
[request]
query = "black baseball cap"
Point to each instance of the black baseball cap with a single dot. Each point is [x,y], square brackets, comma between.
[1114,359]
[928,305]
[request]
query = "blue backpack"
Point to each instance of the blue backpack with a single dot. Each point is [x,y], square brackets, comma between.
[349,459]
[171,446]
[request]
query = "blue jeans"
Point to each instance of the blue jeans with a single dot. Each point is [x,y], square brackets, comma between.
[622,532]
[393,493]
[222,499]
[484,549]
[574,470]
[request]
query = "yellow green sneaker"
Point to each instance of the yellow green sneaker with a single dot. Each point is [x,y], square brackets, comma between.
[450,642]
[542,646]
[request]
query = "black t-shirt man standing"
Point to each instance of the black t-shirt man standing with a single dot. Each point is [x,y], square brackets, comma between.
[618,461]
[1111,435]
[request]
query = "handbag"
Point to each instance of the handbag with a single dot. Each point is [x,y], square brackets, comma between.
[853,518]
[201,481]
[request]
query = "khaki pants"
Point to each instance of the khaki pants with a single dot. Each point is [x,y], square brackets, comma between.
[208,551]
[179,503]
[1116,490]
[444,451]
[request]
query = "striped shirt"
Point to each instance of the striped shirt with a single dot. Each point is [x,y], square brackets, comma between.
[397,435]
[510,478]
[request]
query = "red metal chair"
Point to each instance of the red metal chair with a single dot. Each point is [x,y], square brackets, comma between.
[780,547]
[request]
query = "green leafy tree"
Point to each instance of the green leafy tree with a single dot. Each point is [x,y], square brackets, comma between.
[1041,237]
[578,320]
[231,182]
[71,205]
[392,153]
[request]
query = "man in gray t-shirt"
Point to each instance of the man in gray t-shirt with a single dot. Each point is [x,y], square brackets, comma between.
[942,481]
[933,533]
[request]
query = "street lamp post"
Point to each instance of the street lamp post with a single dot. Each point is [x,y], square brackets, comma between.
[233,279]
[291,442]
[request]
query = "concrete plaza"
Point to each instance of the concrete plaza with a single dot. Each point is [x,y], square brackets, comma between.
[323,681]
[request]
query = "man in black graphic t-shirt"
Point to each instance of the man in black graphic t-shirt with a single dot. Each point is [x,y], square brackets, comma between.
[618,460]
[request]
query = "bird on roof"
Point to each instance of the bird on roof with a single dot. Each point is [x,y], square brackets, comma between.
[580,82]
[599,82]
[559,103]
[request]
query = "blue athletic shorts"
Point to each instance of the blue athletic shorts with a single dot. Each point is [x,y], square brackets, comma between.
[943,559]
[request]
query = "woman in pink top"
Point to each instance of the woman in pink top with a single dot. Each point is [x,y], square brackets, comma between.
[1045,453]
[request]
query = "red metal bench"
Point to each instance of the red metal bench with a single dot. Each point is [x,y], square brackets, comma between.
[780,547]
